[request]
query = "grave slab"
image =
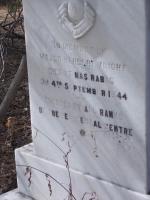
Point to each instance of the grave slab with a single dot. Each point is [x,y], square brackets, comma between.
[89,86]
[14,195]
[45,180]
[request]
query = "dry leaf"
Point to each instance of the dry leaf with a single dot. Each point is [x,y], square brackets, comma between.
[11,121]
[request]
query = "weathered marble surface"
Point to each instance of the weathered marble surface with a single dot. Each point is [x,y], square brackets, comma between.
[14,195]
[55,184]
[116,148]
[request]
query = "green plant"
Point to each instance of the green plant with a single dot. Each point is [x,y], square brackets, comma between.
[14,7]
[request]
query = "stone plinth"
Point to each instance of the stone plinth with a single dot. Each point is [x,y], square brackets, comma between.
[44,180]
[15,195]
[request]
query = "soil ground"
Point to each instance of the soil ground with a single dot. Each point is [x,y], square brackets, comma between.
[15,129]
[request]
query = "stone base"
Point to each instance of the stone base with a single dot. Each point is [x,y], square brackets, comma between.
[14,195]
[44,180]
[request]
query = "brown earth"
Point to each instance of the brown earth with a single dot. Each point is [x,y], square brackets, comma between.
[15,129]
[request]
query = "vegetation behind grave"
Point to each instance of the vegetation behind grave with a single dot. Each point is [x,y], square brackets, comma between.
[15,128]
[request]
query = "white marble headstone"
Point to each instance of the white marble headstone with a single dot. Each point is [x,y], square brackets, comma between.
[89,94]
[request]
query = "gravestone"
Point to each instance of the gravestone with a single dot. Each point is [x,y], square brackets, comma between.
[88,73]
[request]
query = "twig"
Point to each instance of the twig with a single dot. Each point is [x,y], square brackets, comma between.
[55,180]
[13,87]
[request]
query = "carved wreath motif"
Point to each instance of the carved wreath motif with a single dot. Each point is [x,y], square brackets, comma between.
[68,14]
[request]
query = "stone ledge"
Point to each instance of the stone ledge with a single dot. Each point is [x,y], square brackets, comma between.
[42,180]
[14,195]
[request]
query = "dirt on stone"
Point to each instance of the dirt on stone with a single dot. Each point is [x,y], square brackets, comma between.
[15,128]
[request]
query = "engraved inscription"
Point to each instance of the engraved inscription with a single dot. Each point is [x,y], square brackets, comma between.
[82,78]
